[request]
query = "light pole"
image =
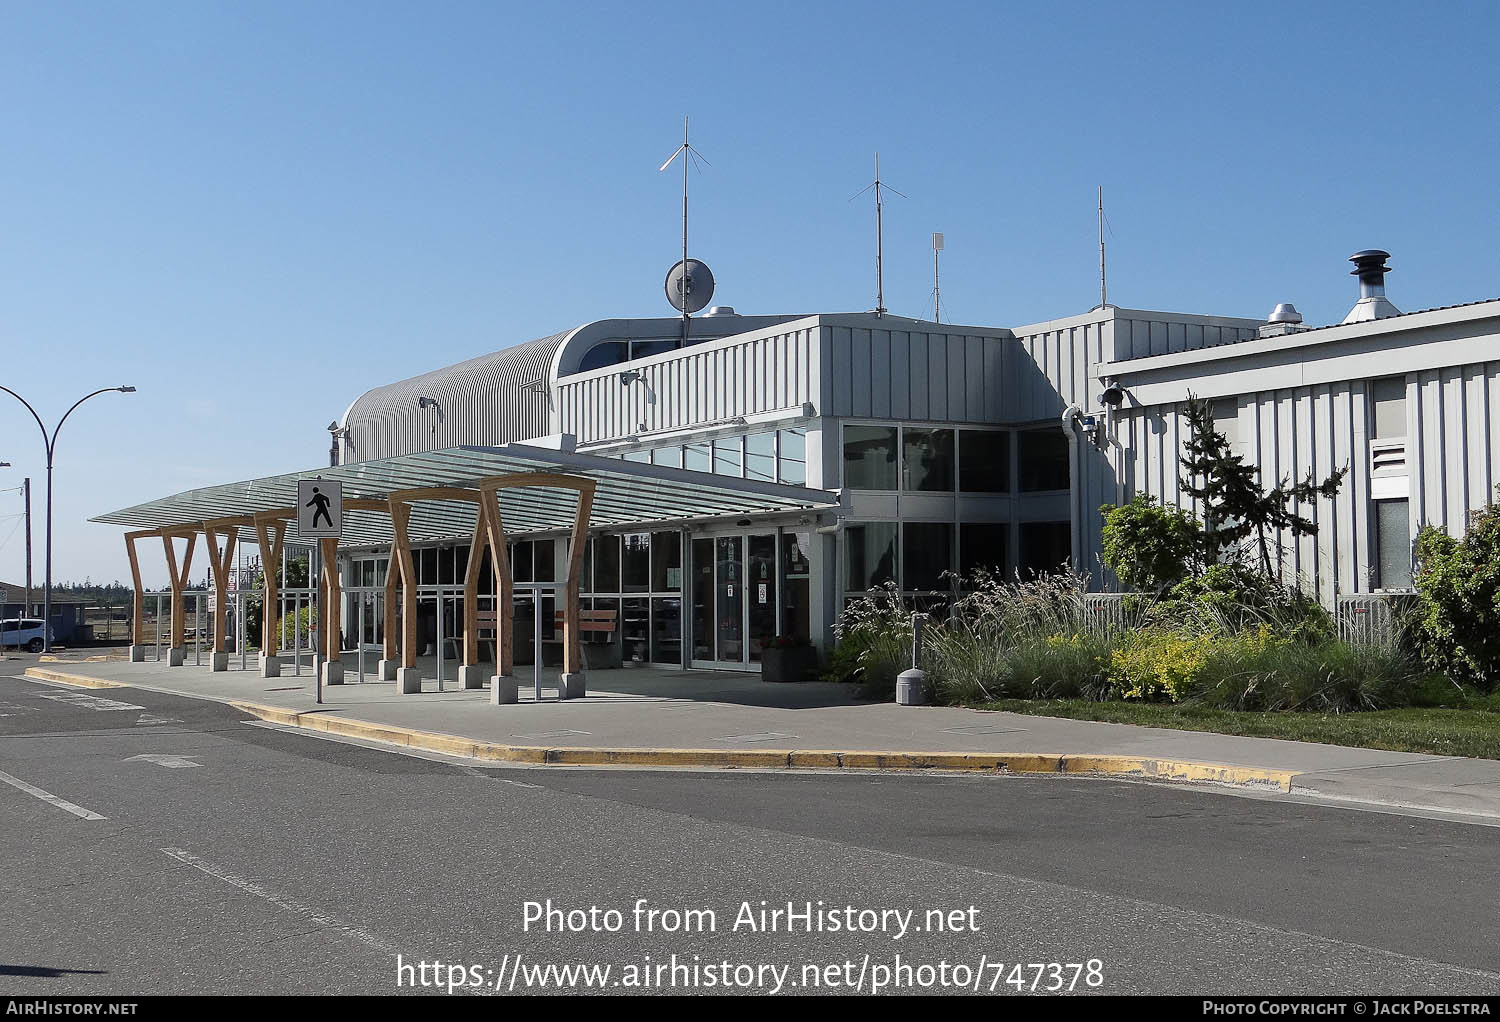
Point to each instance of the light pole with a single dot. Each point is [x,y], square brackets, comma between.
[50,440]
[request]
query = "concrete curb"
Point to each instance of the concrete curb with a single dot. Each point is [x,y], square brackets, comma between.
[1077,765]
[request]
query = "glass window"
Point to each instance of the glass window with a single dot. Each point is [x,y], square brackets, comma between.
[586,578]
[870,458]
[1226,413]
[984,461]
[644,457]
[929,553]
[641,349]
[1392,544]
[869,554]
[982,545]
[520,562]
[543,565]
[607,564]
[796,578]
[1046,547]
[666,562]
[606,353]
[635,629]
[635,563]
[1043,457]
[666,630]
[794,456]
[671,457]
[760,457]
[698,456]
[1388,407]
[727,456]
[927,459]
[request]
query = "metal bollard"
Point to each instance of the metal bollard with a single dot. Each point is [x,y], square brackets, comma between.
[911,685]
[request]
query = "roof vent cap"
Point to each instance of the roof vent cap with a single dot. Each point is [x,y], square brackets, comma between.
[1285,312]
[719,310]
[1370,268]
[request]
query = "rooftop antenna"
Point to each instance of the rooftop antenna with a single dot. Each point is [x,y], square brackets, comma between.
[937,246]
[1103,293]
[877,184]
[685,282]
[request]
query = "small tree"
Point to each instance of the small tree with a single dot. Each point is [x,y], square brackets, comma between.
[1457,628]
[1236,507]
[1149,546]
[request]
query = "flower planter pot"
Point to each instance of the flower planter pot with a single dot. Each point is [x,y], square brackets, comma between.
[792,663]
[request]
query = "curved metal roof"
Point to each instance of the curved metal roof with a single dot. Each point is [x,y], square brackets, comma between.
[485,400]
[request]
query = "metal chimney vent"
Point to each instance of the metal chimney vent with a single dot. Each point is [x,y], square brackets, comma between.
[1370,268]
[1284,319]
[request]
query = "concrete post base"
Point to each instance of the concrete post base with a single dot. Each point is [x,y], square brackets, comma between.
[176,656]
[471,676]
[385,670]
[408,680]
[503,689]
[911,688]
[571,686]
[220,661]
[270,666]
[138,654]
[333,672]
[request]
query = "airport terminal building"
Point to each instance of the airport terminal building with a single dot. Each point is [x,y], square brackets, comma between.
[754,472]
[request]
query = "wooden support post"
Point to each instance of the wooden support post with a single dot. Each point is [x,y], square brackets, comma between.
[388,644]
[138,595]
[332,595]
[179,580]
[218,563]
[471,591]
[505,652]
[572,639]
[400,519]
[271,534]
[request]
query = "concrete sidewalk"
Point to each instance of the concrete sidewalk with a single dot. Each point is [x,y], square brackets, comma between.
[694,718]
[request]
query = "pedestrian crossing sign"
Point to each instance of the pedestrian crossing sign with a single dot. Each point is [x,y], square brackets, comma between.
[320,509]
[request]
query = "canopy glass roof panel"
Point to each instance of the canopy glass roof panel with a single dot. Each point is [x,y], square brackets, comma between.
[626,494]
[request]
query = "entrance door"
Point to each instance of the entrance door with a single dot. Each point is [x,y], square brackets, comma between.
[734,599]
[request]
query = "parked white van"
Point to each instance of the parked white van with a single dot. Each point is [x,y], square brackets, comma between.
[24,632]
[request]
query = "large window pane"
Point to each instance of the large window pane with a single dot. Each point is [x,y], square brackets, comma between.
[520,562]
[727,456]
[698,456]
[1393,544]
[870,458]
[635,563]
[543,563]
[606,353]
[981,545]
[1045,547]
[869,555]
[607,564]
[666,630]
[794,456]
[1043,459]
[671,457]
[927,459]
[796,565]
[1388,407]
[666,562]
[760,457]
[635,630]
[984,461]
[929,553]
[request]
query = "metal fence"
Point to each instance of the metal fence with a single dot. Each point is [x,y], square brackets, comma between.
[1371,618]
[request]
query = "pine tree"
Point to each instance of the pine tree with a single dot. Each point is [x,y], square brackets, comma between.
[1236,508]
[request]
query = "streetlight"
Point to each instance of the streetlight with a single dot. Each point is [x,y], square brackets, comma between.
[50,440]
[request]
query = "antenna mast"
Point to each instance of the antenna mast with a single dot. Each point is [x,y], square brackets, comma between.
[1103,294]
[688,154]
[878,185]
[937,246]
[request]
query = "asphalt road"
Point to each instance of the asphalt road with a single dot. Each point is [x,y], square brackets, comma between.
[232,857]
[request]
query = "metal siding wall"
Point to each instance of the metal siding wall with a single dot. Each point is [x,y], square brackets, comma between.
[705,383]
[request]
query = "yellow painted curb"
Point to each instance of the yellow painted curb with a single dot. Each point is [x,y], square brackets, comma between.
[77,680]
[1147,767]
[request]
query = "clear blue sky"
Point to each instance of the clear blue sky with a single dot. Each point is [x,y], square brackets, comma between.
[255,211]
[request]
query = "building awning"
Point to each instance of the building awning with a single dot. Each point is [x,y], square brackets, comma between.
[628,494]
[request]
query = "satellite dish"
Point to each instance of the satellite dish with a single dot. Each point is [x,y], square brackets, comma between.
[690,285]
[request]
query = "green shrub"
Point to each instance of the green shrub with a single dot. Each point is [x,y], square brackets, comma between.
[873,642]
[1230,598]
[1457,623]
[1149,546]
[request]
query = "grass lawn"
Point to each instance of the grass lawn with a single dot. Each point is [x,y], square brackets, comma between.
[1471,729]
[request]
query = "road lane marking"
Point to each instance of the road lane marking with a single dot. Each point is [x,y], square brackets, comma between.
[88,702]
[149,719]
[47,796]
[165,759]
[285,904]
